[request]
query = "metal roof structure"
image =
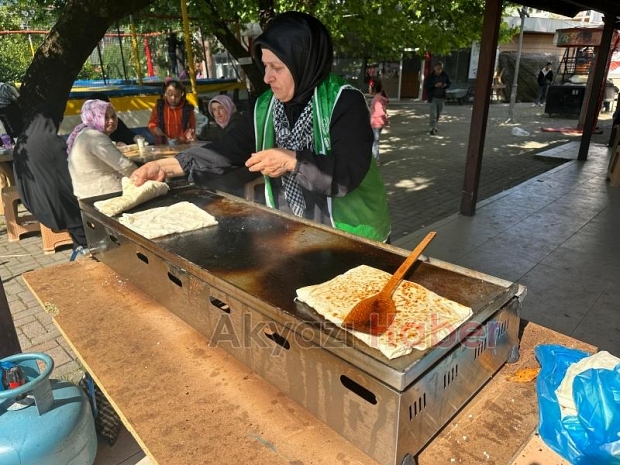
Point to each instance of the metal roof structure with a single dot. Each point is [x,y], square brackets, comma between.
[570,8]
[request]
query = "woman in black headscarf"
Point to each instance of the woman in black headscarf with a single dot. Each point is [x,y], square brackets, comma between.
[309,135]
[42,175]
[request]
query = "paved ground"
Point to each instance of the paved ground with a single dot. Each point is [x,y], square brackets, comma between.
[423,173]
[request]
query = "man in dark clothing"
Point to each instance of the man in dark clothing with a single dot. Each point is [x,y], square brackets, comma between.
[436,84]
[545,78]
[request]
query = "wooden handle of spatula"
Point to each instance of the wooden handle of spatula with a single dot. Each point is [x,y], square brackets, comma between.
[398,275]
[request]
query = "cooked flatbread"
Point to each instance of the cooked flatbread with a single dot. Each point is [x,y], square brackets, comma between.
[422,320]
[162,221]
[132,196]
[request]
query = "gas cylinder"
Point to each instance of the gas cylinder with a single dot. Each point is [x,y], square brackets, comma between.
[45,422]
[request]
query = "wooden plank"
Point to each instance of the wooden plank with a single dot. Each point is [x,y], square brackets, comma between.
[502,417]
[186,402]
[183,401]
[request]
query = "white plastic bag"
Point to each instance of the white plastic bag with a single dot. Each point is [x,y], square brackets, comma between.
[519,132]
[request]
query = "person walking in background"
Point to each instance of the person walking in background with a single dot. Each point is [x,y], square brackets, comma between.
[378,117]
[173,116]
[545,78]
[437,83]
[173,43]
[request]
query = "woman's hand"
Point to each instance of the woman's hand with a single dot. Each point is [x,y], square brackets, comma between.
[149,171]
[158,132]
[272,162]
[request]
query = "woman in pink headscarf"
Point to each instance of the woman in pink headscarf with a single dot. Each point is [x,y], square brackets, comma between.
[95,164]
[224,112]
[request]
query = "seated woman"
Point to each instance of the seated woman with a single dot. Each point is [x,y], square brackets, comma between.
[42,177]
[224,112]
[95,164]
[173,116]
[123,133]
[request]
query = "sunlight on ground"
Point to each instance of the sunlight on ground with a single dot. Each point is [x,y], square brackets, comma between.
[412,185]
[531,145]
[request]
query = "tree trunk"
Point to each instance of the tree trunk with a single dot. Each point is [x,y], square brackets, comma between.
[59,59]
[236,49]
[230,42]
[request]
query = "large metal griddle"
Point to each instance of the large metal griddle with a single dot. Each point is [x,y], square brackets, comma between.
[236,283]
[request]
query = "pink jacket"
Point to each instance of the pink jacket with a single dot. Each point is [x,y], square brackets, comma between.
[378,111]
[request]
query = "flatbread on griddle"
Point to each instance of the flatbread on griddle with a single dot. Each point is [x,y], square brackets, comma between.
[422,320]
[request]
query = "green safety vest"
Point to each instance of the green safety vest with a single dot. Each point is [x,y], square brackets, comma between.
[364,210]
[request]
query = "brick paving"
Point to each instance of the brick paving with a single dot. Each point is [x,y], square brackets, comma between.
[423,175]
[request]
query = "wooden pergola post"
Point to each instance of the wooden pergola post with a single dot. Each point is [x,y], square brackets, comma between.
[480,112]
[600,67]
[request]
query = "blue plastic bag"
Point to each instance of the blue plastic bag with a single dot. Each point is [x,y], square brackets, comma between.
[592,437]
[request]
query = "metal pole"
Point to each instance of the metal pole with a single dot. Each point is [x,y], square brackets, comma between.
[205,68]
[103,73]
[120,43]
[188,48]
[513,91]
[134,44]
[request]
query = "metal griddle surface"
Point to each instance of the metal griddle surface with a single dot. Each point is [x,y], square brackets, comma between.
[269,255]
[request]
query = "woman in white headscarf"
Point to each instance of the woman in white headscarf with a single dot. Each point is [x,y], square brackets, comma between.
[224,112]
[309,135]
[95,164]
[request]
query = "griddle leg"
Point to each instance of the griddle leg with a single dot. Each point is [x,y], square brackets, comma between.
[409,460]
[514,355]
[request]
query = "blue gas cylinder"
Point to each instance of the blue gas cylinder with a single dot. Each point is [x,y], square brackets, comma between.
[45,422]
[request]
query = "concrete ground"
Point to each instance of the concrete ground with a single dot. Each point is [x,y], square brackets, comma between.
[424,177]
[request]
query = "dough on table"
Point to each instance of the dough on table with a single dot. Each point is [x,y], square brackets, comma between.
[162,221]
[423,318]
[132,196]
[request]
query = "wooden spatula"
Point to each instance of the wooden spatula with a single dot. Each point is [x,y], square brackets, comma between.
[375,314]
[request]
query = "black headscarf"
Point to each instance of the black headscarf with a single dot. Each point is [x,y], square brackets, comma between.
[42,173]
[303,44]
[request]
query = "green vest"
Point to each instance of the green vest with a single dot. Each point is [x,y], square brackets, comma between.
[364,210]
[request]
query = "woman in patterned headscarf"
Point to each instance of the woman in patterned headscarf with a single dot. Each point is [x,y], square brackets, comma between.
[309,135]
[95,164]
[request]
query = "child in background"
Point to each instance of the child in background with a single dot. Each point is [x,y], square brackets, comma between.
[173,117]
[378,117]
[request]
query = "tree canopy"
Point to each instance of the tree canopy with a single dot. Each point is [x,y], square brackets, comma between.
[381,29]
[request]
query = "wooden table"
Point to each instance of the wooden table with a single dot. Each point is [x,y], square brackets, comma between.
[155,152]
[188,403]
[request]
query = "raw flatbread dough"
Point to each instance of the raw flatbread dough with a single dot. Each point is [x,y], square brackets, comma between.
[161,221]
[132,196]
[423,318]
